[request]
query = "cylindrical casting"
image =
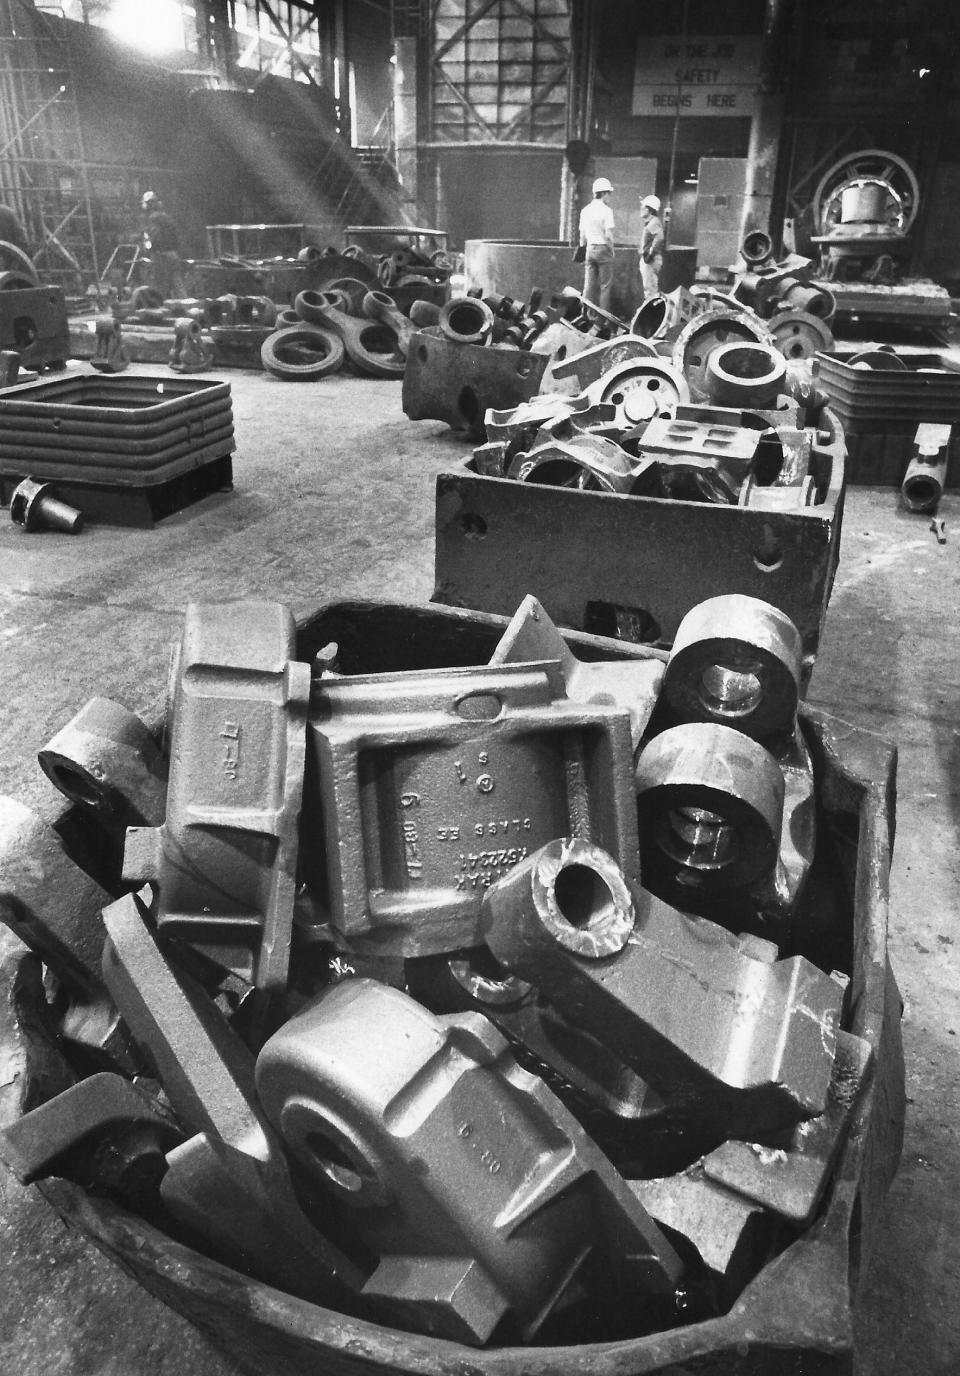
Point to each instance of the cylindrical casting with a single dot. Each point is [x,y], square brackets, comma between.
[736,660]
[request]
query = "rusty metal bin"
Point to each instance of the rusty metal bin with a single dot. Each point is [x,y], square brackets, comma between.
[586,555]
[794,1317]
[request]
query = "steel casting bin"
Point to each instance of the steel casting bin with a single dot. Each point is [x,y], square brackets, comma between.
[793,1319]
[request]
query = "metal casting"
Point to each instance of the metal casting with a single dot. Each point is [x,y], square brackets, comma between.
[710,803]
[587,462]
[790,1180]
[110,355]
[592,362]
[106,761]
[190,352]
[302,353]
[706,332]
[640,389]
[466,320]
[425,787]
[745,375]
[799,335]
[483,1198]
[224,860]
[736,661]
[732,1235]
[54,907]
[926,474]
[459,383]
[630,684]
[103,1130]
[371,345]
[741,1045]
[377,305]
[34,507]
[700,458]
[229,1183]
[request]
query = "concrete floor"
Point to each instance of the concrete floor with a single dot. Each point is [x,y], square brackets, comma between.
[333,499]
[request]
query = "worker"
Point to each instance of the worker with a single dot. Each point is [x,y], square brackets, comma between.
[596,245]
[162,243]
[651,246]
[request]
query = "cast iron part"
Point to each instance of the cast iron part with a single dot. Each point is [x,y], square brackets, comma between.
[709,457]
[640,389]
[34,507]
[377,305]
[54,907]
[225,858]
[733,1235]
[706,332]
[746,375]
[483,1198]
[736,661]
[424,787]
[459,383]
[102,1130]
[926,474]
[739,1045]
[631,684]
[190,353]
[465,320]
[586,462]
[110,355]
[790,1181]
[229,1183]
[710,803]
[106,761]
[590,363]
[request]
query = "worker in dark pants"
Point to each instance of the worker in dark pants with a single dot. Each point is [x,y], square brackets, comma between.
[162,243]
[651,246]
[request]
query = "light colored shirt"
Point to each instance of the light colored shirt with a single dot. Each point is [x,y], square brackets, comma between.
[596,223]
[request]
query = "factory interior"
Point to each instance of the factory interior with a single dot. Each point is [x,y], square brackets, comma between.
[545,961]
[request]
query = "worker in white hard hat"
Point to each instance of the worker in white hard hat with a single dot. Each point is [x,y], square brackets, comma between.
[651,245]
[596,245]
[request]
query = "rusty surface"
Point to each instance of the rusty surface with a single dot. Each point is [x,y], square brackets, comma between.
[483,1198]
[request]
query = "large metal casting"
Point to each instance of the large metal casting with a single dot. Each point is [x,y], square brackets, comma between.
[482,1196]
[458,383]
[125,449]
[744,1046]
[229,1182]
[424,788]
[926,474]
[33,321]
[224,860]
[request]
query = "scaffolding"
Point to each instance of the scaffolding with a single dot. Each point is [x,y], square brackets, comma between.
[44,175]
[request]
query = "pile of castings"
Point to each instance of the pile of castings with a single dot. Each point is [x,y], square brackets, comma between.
[698,345]
[758,440]
[199,325]
[796,308]
[468,1000]
[493,351]
[346,321]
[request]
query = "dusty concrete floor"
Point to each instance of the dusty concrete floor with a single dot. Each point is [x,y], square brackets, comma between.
[334,498]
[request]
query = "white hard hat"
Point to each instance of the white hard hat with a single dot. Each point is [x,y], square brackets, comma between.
[651,203]
[601,184]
